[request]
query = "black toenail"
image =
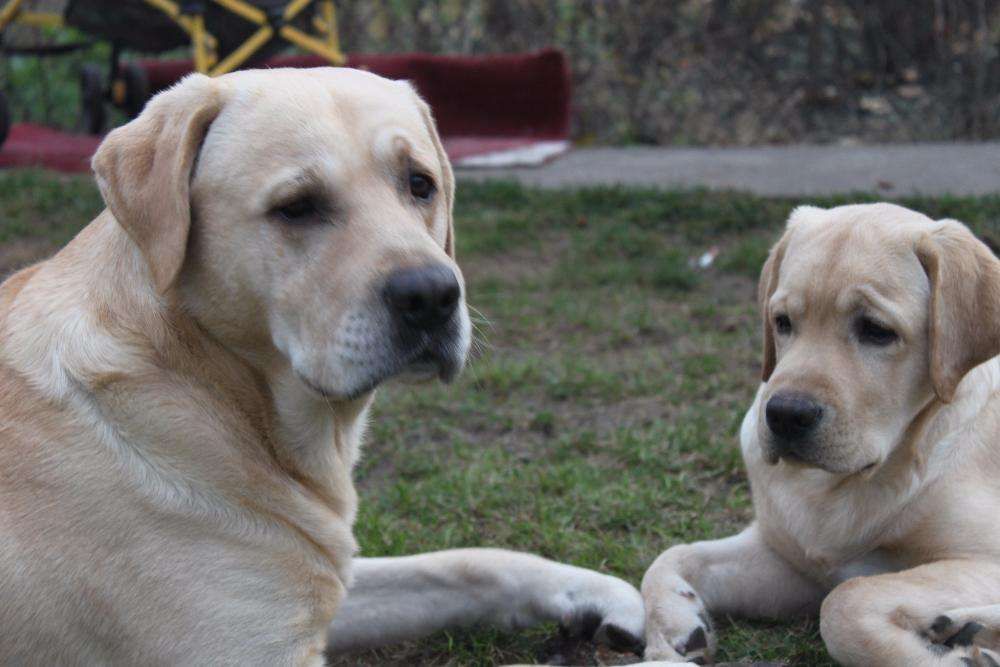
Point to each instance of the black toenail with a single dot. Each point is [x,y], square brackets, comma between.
[940,624]
[696,640]
[964,636]
[585,625]
[622,640]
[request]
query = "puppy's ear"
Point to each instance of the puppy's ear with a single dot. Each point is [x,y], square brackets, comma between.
[144,172]
[448,187]
[964,310]
[801,215]
[765,289]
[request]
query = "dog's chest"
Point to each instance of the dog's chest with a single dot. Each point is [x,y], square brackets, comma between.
[831,536]
[253,549]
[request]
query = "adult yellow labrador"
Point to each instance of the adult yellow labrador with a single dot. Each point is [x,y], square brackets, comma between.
[183,391]
[873,450]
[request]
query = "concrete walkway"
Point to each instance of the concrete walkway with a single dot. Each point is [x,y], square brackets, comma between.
[891,170]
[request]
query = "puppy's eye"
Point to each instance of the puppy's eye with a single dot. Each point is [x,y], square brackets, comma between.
[298,211]
[782,325]
[871,332]
[421,186]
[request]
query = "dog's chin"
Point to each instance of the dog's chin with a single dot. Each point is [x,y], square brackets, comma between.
[421,366]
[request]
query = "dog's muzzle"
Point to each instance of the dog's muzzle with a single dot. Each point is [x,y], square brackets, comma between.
[423,303]
[422,299]
[793,418]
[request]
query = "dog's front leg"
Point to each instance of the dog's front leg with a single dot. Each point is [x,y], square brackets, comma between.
[397,599]
[739,575]
[929,615]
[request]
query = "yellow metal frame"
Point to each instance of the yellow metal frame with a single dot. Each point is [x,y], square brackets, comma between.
[14,11]
[324,43]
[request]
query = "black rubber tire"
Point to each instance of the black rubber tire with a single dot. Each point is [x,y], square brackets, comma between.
[4,118]
[136,89]
[92,115]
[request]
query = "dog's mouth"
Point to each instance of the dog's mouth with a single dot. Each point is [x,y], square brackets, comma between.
[773,455]
[433,361]
[424,356]
[776,449]
[429,365]
[421,360]
[795,460]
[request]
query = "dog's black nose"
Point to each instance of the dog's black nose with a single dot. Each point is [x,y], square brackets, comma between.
[423,297]
[792,417]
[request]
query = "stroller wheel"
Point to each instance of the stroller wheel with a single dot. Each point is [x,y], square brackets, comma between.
[91,99]
[4,118]
[136,89]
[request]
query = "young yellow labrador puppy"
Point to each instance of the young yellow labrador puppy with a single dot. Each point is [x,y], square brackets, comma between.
[184,388]
[873,451]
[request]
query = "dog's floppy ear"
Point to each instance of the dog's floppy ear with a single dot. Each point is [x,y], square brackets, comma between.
[964,310]
[765,289]
[448,187]
[144,172]
[802,215]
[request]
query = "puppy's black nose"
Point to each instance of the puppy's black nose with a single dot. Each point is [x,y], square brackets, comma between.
[792,417]
[423,297]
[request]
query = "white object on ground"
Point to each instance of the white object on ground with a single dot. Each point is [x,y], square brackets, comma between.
[524,156]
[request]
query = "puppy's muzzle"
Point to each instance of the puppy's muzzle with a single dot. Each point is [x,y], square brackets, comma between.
[793,418]
[422,299]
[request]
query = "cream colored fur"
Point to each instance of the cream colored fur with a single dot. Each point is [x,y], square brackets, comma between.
[184,390]
[887,527]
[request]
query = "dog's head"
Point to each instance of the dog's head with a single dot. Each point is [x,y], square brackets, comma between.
[870,313]
[302,217]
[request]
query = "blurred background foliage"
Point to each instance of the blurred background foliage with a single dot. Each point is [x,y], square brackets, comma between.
[694,72]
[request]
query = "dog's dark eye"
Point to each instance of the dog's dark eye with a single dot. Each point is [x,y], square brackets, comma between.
[298,211]
[421,186]
[783,325]
[871,332]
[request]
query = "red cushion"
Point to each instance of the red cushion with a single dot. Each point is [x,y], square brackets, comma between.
[521,95]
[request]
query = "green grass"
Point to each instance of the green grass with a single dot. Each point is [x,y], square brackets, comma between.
[43,207]
[598,426]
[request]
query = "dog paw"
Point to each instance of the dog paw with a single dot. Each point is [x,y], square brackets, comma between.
[619,639]
[954,635]
[950,632]
[962,627]
[979,657]
[678,626]
[608,611]
[591,626]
